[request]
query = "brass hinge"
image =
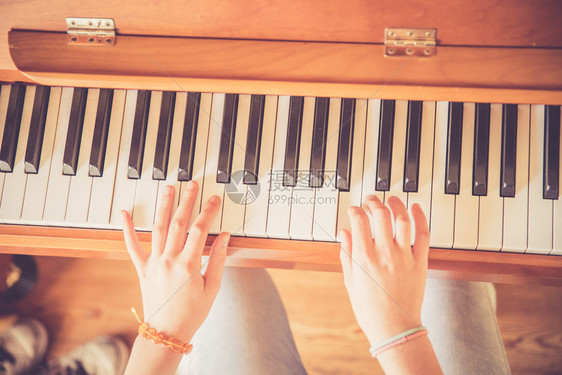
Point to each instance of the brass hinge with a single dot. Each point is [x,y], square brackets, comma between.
[410,42]
[91,31]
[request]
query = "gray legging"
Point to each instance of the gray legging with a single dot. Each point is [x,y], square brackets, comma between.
[247,331]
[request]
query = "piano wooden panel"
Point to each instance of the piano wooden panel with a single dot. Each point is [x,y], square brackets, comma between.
[290,254]
[523,75]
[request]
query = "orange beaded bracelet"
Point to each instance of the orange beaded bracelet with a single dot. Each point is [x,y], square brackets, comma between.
[156,337]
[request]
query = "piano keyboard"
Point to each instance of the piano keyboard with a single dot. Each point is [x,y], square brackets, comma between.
[486,175]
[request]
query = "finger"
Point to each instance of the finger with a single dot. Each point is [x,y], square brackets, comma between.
[382,221]
[217,258]
[136,252]
[360,232]
[421,244]
[193,249]
[177,233]
[345,252]
[162,220]
[401,223]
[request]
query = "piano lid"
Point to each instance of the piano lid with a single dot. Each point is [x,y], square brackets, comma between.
[258,49]
[520,23]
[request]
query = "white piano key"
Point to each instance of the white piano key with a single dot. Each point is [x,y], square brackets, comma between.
[147,189]
[255,217]
[425,177]
[210,185]
[515,209]
[124,188]
[557,222]
[59,184]
[81,184]
[200,155]
[371,150]
[490,223]
[540,210]
[302,199]
[398,147]
[101,198]
[233,209]
[466,205]
[353,196]
[279,211]
[14,183]
[442,205]
[4,99]
[175,150]
[326,199]
[36,186]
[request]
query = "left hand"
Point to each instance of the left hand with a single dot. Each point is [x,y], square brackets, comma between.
[176,296]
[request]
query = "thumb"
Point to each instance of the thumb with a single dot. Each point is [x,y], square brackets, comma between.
[217,258]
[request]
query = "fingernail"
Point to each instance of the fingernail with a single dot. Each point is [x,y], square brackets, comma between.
[190,185]
[214,199]
[352,210]
[169,190]
[123,214]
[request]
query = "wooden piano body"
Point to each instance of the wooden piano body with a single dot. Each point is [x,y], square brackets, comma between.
[486,51]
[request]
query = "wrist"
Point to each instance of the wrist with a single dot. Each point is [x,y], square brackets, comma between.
[390,328]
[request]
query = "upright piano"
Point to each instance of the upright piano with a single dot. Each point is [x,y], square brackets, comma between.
[291,112]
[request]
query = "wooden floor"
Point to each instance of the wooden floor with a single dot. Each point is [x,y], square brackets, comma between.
[80,299]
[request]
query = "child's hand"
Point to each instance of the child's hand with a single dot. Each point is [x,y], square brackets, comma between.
[176,297]
[385,276]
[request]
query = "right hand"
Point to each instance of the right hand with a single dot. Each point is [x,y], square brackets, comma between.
[384,275]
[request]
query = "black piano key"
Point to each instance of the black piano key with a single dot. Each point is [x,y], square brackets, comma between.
[37,129]
[481,149]
[347,121]
[413,139]
[74,134]
[189,135]
[551,163]
[509,150]
[101,129]
[384,155]
[453,161]
[319,135]
[12,127]
[293,141]
[251,162]
[139,134]
[162,153]
[228,131]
